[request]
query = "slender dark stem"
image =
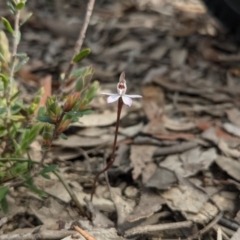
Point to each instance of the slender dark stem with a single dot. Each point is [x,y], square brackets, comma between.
[110,163]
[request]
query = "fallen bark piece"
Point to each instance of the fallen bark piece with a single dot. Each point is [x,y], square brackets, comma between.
[232,129]
[185,198]
[190,162]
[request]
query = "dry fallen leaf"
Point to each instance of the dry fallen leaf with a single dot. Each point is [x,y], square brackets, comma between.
[190,162]
[161,179]
[185,198]
[150,202]
[232,129]
[177,125]
[232,167]
[76,141]
[205,214]
[234,116]
[132,130]
[140,156]
[178,57]
[51,211]
[153,101]
[99,119]
[229,152]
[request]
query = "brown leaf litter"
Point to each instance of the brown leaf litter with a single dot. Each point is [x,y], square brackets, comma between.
[176,173]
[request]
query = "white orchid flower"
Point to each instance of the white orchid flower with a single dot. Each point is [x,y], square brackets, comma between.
[121,89]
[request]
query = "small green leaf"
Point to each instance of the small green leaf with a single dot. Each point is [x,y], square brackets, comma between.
[18,36]
[11,7]
[85,78]
[7,25]
[84,53]
[17,148]
[45,175]
[75,119]
[41,111]
[15,95]
[21,55]
[20,5]
[73,114]
[3,192]
[19,169]
[3,132]
[36,190]
[26,18]
[78,72]
[29,135]
[63,136]
[87,112]
[2,58]
[4,80]
[21,63]
[4,205]
[2,110]
[91,92]
[15,109]
[17,117]
[48,169]
[45,119]
[3,200]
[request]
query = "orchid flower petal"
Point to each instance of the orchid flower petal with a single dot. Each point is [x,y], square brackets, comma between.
[134,96]
[127,100]
[113,98]
[109,94]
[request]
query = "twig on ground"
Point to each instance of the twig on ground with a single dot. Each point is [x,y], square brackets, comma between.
[175,148]
[223,233]
[219,234]
[84,233]
[80,37]
[206,228]
[156,228]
